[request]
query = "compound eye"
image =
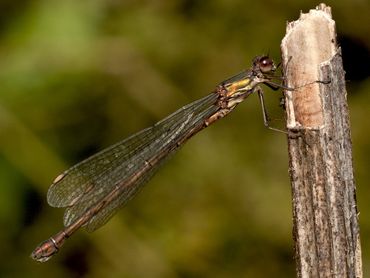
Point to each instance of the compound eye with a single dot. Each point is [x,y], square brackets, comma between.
[266,64]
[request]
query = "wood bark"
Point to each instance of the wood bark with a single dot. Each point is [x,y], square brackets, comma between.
[325,218]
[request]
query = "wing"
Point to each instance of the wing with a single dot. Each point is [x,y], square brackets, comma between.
[88,182]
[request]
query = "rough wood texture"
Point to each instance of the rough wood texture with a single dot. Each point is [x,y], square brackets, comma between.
[325,219]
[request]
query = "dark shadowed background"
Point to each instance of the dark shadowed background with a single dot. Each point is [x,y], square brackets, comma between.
[78,76]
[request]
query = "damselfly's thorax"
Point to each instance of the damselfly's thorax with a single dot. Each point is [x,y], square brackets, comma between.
[244,83]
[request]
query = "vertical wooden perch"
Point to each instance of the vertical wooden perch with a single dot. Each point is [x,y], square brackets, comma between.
[325,219]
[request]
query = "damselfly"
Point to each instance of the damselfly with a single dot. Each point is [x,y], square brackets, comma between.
[94,189]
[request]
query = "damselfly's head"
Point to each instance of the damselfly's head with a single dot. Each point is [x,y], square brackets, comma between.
[263,64]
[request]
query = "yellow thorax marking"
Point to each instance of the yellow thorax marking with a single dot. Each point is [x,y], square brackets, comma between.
[235,87]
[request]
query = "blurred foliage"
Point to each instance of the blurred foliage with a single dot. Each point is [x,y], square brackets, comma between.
[77,76]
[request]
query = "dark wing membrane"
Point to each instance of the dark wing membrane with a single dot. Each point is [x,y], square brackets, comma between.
[86,183]
[82,178]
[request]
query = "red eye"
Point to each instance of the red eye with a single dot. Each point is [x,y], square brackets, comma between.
[266,64]
[263,64]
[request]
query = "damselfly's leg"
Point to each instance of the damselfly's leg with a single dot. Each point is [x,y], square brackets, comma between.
[266,119]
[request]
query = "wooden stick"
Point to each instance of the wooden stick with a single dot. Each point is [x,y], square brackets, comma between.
[325,218]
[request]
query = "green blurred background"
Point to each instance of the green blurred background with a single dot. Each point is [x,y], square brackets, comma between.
[77,76]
